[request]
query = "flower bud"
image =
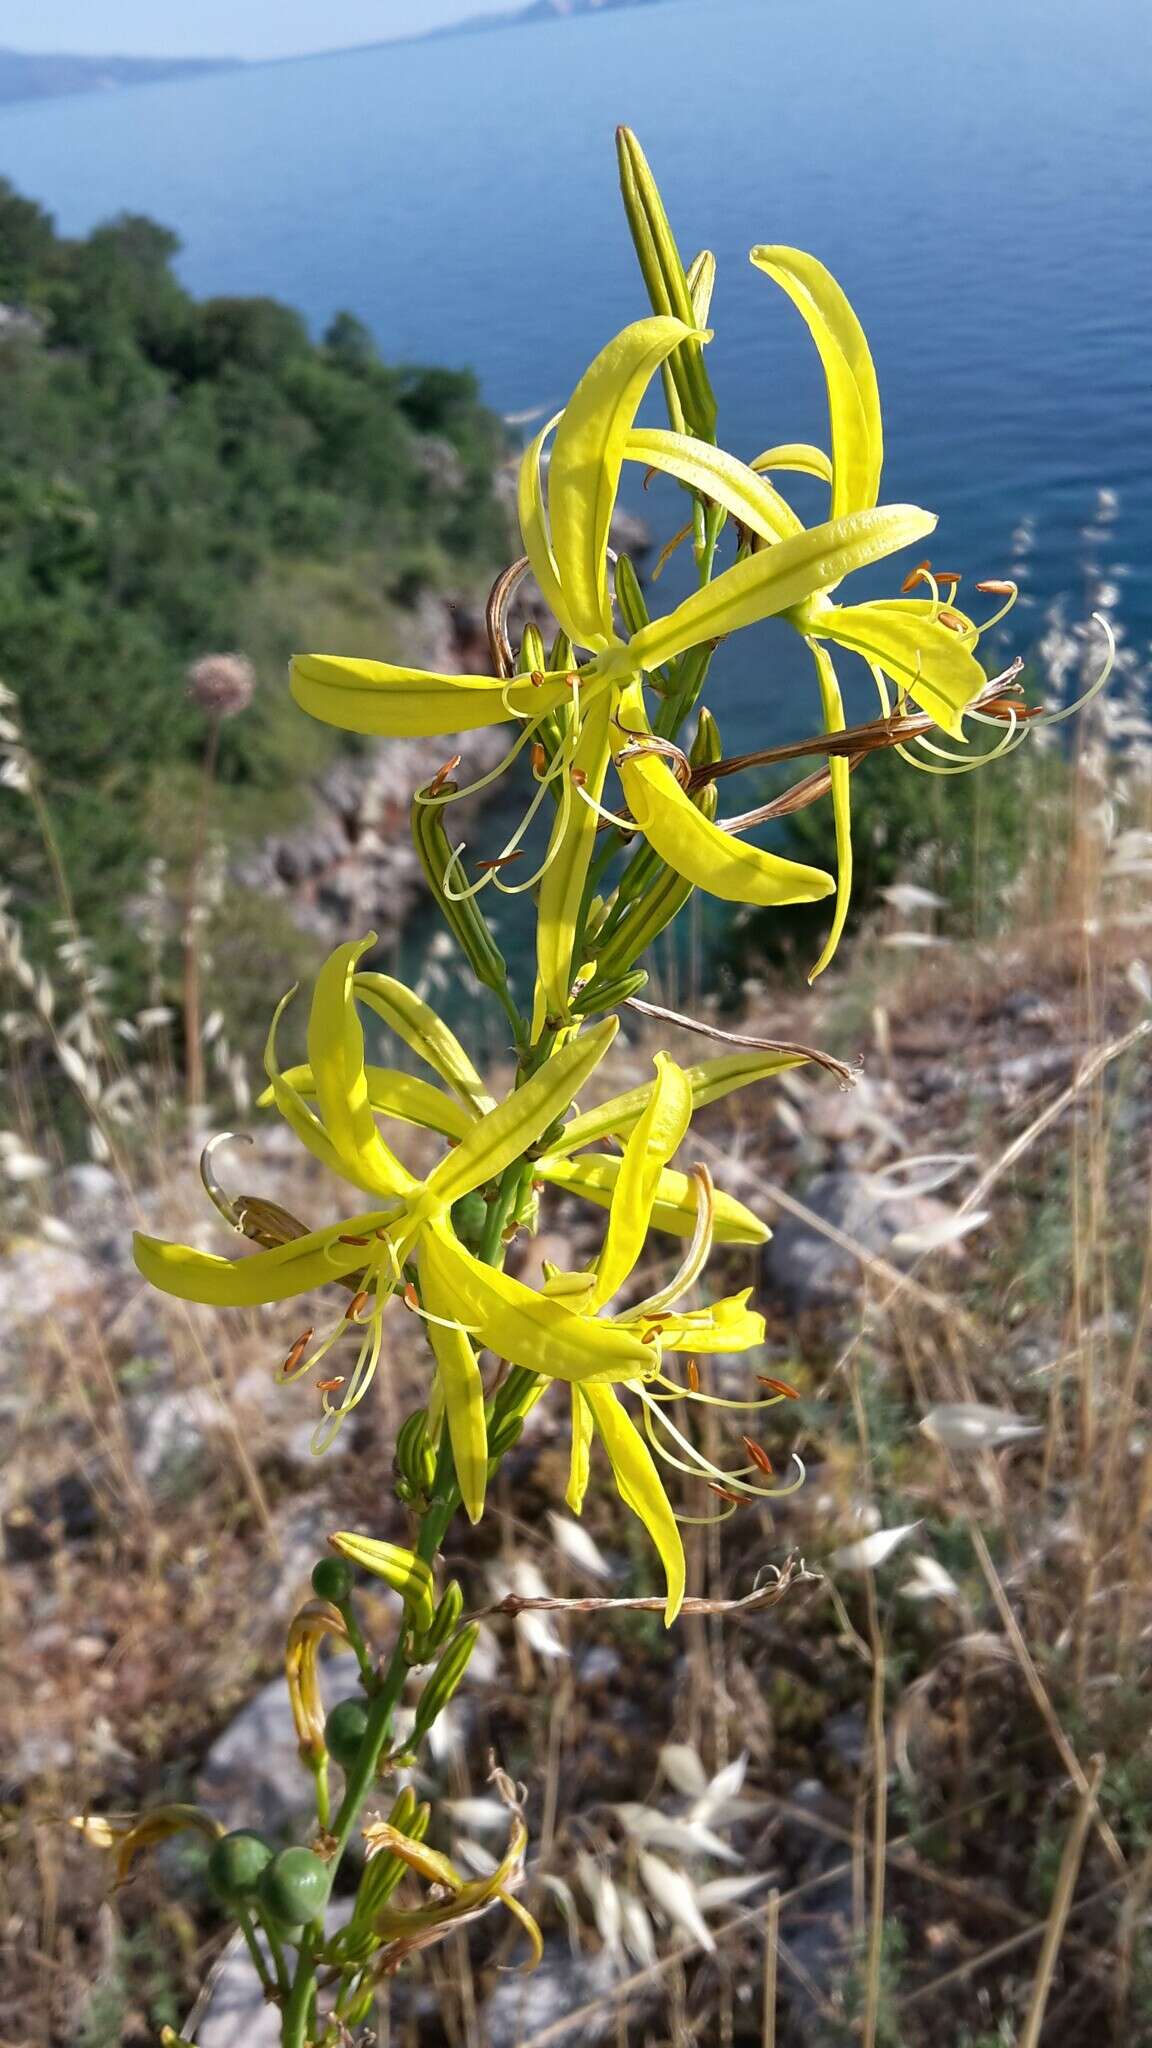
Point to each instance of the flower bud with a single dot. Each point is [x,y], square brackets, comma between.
[444,1680]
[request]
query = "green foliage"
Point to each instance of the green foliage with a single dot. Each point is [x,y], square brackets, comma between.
[178,477]
[965,837]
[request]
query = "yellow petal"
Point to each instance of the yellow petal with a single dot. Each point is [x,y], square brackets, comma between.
[288,1269]
[584,475]
[580,1461]
[508,1130]
[463,1393]
[728,1325]
[411,703]
[336,1057]
[407,1574]
[534,528]
[639,1486]
[799,456]
[718,476]
[675,1208]
[769,582]
[656,1138]
[411,1018]
[840,774]
[927,659]
[715,861]
[396,1094]
[853,397]
[524,1327]
[562,889]
[292,1107]
[709,1081]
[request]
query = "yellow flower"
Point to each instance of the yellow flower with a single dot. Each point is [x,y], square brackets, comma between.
[596,710]
[126,1837]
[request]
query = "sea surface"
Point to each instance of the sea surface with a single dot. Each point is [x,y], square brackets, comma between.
[979,177]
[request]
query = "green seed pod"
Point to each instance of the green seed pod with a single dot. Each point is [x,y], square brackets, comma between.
[294,1888]
[344,1731]
[465,919]
[332,1580]
[503,1434]
[444,1680]
[236,1864]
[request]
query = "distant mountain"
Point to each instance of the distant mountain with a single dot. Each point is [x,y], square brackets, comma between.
[537,10]
[29,75]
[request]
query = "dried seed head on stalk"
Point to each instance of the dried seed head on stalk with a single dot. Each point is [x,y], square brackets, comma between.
[222,684]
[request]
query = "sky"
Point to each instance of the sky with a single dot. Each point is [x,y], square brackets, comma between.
[222,28]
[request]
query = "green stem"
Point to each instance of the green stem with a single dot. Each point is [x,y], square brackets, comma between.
[257,1955]
[363,1654]
[295,2029]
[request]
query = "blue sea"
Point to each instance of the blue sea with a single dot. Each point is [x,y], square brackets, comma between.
[978,176]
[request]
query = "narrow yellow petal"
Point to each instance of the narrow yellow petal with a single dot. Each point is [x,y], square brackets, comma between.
[336,1057]
[289,1269]
[656,1138]
[718,476]
[853,396]
[292,1107]
[411,703]
[508,1130]
[534,528]
[728,1325]
[580,1462]
[463,1394]
[412,1019]
[524,1327]
[640,1488]
[584,475]
[713,860]
[800,456]
[394,1093]
[769,582]
[709,1081]
[923,657]
[674,1210]
[562,889]
[841,776]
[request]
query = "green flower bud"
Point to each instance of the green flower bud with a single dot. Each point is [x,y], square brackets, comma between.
[629,595]
[531,652]
[448,1614]
[444,1680]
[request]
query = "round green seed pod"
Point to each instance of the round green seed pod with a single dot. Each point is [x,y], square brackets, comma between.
[294,1888]
[236,1864]
[332,1579]
[470,1217]
[344,1731]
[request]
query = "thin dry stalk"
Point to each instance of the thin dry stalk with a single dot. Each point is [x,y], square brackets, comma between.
[1061,1906]
[1039,1693]
[771,1946]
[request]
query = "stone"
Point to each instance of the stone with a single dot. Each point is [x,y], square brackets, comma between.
[38,1278]
[252,1776]
[804,1269]
[522,2007]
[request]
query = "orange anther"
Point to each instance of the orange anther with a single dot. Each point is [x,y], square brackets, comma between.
[692,1374]
[442,774]
[725,1493]
[353,1240]
[411,1298]
[358,1301]
[329,1386]
[502,860]
[778,1387]
[297,1351]
[996,588]
[539,757]
[758,1455]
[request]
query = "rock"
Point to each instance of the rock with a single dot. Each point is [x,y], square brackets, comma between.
[37,1278]
[804,1269]
[95,1206]
[522,2007]
[172,1432]
[252,1776]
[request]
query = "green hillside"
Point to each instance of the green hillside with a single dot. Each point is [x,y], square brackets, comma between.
[178,477]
